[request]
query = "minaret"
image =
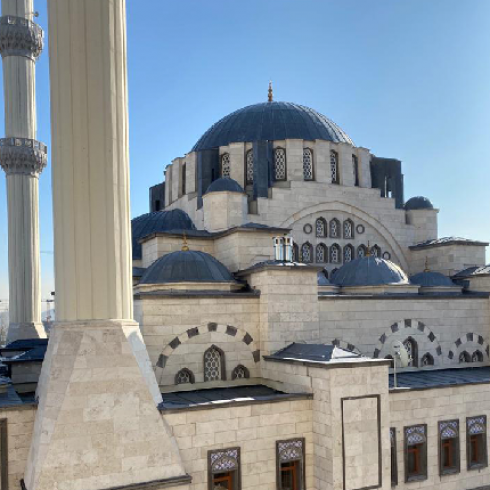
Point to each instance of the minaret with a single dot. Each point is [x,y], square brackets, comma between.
[23,158]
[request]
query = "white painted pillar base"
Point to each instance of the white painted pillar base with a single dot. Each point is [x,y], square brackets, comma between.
[21,331]
[97,424]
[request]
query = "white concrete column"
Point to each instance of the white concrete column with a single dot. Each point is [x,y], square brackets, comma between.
[22,158]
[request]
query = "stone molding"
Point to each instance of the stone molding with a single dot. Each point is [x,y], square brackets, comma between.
[23,156]
[20,37]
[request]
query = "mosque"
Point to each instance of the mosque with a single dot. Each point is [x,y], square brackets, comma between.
[253,341]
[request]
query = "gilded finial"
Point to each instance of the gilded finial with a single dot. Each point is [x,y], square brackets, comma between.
[271,92]
[426,265]
[368,251]
[185,247]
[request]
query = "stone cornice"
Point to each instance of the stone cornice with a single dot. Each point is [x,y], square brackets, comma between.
[20,37]
[23,156]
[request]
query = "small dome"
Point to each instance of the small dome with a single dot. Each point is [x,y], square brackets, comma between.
[186,266]
[322,279]
[369,271]
[225,184]
[429,279]
[418,202]
[146,224]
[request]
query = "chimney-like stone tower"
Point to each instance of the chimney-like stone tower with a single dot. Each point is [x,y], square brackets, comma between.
[23,158]
[97,391]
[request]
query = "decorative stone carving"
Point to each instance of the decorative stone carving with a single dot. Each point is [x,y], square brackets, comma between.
[20,37]
[23,156]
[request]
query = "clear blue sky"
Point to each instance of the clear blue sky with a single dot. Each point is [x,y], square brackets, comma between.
[408,79]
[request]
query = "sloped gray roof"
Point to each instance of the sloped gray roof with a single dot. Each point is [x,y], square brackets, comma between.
[186,266]
[225,184]
[271,121]
[418,202]
[473,271]
[369,271]
[451,240]
[428,279]
[312,352]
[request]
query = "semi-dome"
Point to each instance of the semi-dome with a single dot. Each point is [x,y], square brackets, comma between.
[430,279]
[271,121]
[370,271]
[418,202]
[225,184]
[186,266]
[159,221]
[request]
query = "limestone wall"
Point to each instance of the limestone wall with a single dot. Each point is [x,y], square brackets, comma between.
[439,325]
[254,428]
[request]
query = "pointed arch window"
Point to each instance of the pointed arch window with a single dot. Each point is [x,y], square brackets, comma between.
[355,170]
[214,364]
[335,254]
[290,464]
[224,469]
[361,251]
[280,164]
[307,164]
[464,357]
[225,165]
[321,253]
[184,376]
[295,252]
[334,166]
[334,228]
[412,349]
[427,360]
[240,372]
[376,251]
[477,356]
[449,461]
[348,229]
[321,228]
[249,167]
[307,253]
[348,253]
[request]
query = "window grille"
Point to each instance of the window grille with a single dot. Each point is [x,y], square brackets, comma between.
[213,364]
[334,228]
[376,251]
[348,229]
[249,167]
[306,253]
[224,469]
[411,347]
[334,167]
[240,372]
[290,464]
[416,453]
[394,461]
[464,357]
[295,252]
[321,253]
[184,376]
[361,251]
[307,164]
[321,228]
[225,165]
[449,461]
[348,253]
[476,442]
[280,164]
[477,356]
[335,254]
[427,360]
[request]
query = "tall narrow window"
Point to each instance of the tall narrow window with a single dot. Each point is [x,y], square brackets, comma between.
[477,356]
[355,169]
[449,447]
[321,253]
[307,164]
[249,167]
[335,254]
[412,350]
[291,464]
[240,372]
[183,180]
[295,252]
[321,228]
[394,461]
[280,164]
[307,252]
[416,453]
[427,360]
[214,364]
[184,376]
[348,229]
[476,442]
[334,228]
[348,253]
[224,469]
[334,166]
[225,165]
[361,251]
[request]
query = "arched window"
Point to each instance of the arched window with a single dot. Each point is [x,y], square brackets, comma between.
[334,228]
[361,251]
[240,372]
[184,176]
[335,254]
[464,357]
[412,350]
[355,169]
[334,166]
[307,164]
[295,252]
[376,251]
[249,167]
[321,253]
[348,229]
[184,376]
[477,356]
[214,364]
[307,253]
[225,165]
[348,253]
[280,164]
[321,228]
[427,360]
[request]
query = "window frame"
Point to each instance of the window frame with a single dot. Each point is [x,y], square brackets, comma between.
[352,253]
[245,370]
[302,461]
[335,246]
[222,157]
[192,378]
[285,178]
[355,169]
[393,457]
[484,464]
[421,476]
[223,364]
[352,230]
[337,167]
[415,350]
[312,165]
[238,470]
[429,356]
[4,452]
[457,451]
[310,246]
[325,253]
[247,153]
[325,227]
[338,232]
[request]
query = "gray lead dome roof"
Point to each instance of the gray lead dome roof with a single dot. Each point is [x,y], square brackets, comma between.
[225,184]
[186,266]
[418,202]
[271,121]
[430,279]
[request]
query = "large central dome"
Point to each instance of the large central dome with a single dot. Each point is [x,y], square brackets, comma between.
[271,121]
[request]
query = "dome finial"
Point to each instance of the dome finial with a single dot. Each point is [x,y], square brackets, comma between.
[185,247]
[426,264]
[368,251]
[271,92]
